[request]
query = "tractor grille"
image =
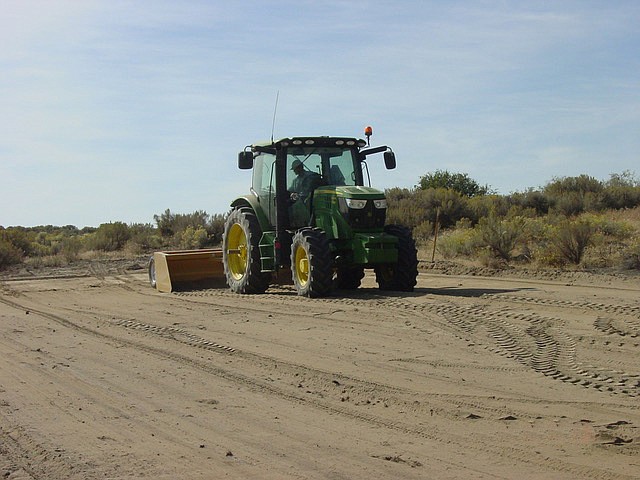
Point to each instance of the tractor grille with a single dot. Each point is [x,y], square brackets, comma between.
[367,217]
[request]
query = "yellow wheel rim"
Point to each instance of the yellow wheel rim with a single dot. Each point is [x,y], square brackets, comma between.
[237,251]
[302,266]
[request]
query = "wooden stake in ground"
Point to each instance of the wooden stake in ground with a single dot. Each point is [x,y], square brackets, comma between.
[435,235]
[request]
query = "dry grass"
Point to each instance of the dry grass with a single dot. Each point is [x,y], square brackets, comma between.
[630,215]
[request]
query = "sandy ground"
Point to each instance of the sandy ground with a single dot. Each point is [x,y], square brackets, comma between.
[467,377]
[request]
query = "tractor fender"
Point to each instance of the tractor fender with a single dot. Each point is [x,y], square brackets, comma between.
[250,201]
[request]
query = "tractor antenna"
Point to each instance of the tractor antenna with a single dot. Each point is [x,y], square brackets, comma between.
[275,109]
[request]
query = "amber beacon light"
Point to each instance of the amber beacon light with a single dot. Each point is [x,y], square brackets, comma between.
[368,131]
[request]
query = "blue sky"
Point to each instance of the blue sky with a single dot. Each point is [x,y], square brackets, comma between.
[117,110]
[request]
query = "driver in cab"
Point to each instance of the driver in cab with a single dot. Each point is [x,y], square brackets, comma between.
[303,183]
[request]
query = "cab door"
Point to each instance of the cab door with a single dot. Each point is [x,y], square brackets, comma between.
[263,184]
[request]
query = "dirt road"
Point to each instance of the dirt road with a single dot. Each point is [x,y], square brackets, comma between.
[467,377]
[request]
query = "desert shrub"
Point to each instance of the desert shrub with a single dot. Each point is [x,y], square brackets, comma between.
[144,237]
[501,236]
[625,179]
[459,242]
[610,240]
[423,232]
[458,182]
[534,243]
[397,194]
[580,184]
[464,223]
[569,204]
[531,199]
[406,207]
[171,223]
[9,254]
[71,247]
[631,257]
[110,236]
[480,207]
[191,238]
[58,260]
[447,205]
[594,202]
[413,207]
[173,227]
[609,227]
[570,196]
[621,196]
[215,228]
[572,237]
[18,238]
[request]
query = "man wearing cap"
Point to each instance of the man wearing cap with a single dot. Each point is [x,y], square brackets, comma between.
[304,181]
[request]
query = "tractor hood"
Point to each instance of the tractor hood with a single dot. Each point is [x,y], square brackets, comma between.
[357,192]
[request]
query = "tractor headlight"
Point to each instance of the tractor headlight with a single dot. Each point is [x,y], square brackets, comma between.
[356,204]
[380,203]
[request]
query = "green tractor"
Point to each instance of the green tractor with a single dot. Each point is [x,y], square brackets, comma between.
[310,213]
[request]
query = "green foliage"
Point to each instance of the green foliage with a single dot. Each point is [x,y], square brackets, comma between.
[215,228]
[9,254]
[581,184]
[192,238]
[447,205]
[415,207]
[405,208]
[560,223]
[18,238]
[171,223]
[144,238]
[14,245]
[423,232]
[501,236]
[618,197]
[624,179]
[568,204]
[458,182]
[174,226]
[530,199]
[572,237]
[71,247]
[461,242]
[631,257]
[609,227]
[483,206]
[570,196]
[111,236]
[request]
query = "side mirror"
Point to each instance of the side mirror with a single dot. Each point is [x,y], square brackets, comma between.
[245,160]
[390,160]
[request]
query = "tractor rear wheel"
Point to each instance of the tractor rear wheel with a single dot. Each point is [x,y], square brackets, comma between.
[400,276]
[311,263]
[241,253]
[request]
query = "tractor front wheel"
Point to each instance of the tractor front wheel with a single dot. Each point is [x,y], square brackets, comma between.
[311,263]
[402,275]
[241,253]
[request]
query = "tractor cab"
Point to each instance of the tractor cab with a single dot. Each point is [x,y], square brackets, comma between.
[288,172]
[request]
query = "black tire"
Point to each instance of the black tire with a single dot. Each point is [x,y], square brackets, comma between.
[402,275]
[152,272]
[349,277]
[241,253]
[311,263]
